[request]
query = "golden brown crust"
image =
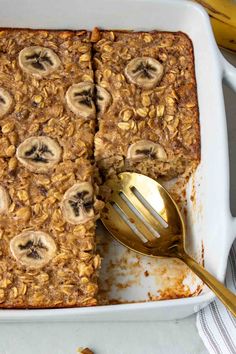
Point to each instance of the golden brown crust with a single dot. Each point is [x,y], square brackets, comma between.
[39,109]
[166,114]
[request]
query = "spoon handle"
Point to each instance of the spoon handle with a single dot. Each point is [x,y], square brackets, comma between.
[225,295]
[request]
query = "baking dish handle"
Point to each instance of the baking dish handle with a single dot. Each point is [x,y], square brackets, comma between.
[229,77]
[229,73]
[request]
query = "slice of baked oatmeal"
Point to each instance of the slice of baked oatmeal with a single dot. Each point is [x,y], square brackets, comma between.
[48,201]
[150,124]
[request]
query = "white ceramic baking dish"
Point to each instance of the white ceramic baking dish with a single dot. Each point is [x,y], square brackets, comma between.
[212,223]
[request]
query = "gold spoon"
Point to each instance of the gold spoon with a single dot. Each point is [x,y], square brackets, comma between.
[142,216]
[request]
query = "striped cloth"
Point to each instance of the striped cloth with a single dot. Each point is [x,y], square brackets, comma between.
[216,326]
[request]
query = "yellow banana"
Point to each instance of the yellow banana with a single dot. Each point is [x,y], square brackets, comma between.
[223,19]
[225,34]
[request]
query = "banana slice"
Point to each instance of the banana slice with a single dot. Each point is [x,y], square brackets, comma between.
[146,149]
[77,203]
[38,61]
[103,99]
[33,249]
[80,99]
[5,101]
[145,72]
[39,153]
[4,200]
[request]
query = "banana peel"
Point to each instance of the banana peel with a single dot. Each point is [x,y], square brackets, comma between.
[223,19]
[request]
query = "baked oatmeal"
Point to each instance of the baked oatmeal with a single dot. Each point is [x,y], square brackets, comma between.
[48,201]
[142,100]
[150,124]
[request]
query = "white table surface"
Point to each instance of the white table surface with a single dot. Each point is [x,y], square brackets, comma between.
[170,337]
